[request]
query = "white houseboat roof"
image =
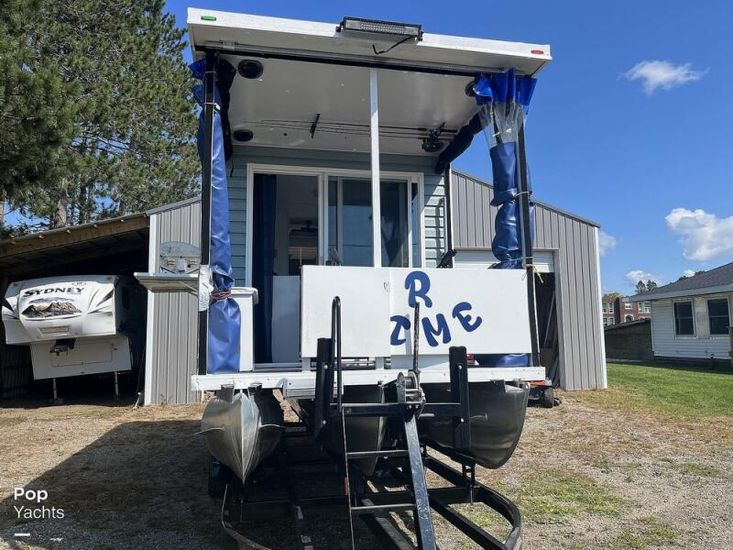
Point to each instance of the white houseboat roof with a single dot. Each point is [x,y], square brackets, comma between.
[314,91]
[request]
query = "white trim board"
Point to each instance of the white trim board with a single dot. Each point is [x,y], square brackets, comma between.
[304,381]
[150,320]
[227,30]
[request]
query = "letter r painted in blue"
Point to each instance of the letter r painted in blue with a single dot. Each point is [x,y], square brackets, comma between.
[414,292]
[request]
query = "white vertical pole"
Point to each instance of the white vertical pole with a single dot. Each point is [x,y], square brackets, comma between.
[604,370]
[374,133]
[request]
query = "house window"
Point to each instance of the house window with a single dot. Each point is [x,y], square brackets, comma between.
[605,307]
[645,307]
[610,307]
[718,316]
[683,321]
[627,306]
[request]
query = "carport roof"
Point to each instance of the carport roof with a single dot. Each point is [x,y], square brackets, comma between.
[38,252]
[65,245]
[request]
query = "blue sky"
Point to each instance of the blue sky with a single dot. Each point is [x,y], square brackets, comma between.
[646,157]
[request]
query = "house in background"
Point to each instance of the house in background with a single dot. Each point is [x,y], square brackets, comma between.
[691,317]
[619,309]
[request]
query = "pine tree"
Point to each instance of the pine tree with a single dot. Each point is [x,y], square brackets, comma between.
[99,109]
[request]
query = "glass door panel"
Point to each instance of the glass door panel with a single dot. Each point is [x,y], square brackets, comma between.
[394,228]
[356,222]
[348,207]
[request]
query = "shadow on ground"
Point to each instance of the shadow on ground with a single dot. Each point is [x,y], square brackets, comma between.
[141,484]
[144,484]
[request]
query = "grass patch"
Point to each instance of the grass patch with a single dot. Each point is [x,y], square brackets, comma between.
[553,496]
[666,389]
[651,533]
[10,421]
[700,470]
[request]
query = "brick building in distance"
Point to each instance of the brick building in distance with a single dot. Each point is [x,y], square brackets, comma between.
[618,309]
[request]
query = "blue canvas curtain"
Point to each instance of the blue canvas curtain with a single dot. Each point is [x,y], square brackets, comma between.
[224,317]
[503,99]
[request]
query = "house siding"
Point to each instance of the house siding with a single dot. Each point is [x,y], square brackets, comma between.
[573,242]
[665,343]
[434,192]
[172,337]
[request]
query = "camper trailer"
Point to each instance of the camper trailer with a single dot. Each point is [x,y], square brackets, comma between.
[326,283]
[74,325]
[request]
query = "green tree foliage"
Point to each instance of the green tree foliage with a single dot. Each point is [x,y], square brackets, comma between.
[640,287]
[97,115]
[651,285]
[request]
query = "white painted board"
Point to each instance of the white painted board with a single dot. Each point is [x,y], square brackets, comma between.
[484,310]
[364,294]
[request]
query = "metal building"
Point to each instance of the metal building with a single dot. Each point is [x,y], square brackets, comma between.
[566,250]
[171,345]
[116,246]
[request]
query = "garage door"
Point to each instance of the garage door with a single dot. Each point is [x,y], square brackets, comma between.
[544,260]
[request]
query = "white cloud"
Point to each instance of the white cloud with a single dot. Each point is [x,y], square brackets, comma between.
[606,242]
[662,74]
[703,236]
[636,275]
[688,272]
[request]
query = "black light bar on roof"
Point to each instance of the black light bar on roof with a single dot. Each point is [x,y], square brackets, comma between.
[375,26]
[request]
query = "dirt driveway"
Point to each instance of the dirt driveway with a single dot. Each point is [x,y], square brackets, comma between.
[585,475]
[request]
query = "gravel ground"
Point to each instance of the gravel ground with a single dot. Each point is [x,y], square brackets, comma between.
[584,475]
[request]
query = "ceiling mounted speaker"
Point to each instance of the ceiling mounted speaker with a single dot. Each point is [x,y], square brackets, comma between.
[431,144]
[243,135]
[250,68]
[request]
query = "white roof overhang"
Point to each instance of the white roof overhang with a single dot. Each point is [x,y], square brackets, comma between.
[312,71]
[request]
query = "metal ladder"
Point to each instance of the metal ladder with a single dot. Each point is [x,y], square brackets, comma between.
[407,405]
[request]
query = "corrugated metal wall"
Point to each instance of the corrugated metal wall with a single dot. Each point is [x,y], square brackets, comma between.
[172,317]
[574,242]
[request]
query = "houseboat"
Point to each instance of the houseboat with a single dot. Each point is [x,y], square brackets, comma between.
[326,151]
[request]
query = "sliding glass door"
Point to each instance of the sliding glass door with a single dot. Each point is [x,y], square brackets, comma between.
[349,210]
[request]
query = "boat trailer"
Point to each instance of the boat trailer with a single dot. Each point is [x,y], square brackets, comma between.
[401,485]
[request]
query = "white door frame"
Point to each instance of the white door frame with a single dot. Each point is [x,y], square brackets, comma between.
[323,174]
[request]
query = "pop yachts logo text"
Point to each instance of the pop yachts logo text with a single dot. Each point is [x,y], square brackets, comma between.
[417,284]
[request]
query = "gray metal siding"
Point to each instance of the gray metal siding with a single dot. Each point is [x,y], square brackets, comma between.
[582,361]
[434,199]
[175,317]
